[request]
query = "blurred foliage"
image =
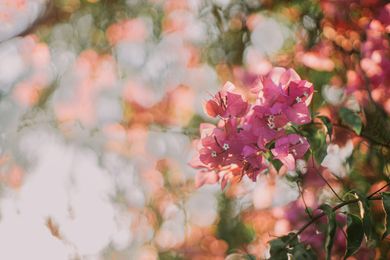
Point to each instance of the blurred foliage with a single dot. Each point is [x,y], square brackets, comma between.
[230,226]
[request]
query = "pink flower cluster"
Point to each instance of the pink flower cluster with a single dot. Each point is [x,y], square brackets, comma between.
[248,135]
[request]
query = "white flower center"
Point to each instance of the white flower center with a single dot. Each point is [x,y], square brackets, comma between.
[213,154]
[226,147]
[298,99]
[271,125]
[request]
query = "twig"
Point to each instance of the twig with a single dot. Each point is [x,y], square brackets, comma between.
[375,192]
[303,199]
[323,178]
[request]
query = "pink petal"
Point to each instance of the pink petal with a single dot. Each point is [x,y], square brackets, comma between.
[236,105]
[202,178]
[212,108]
[289,161]
[225,180]
[276,73]
[298,114]
[288,76]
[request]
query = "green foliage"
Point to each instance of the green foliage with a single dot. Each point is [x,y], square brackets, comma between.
[354,234]
[386,206]
[351,119]
[230,44]
[301,252]
[319,79]
[278,249]
[367,222]
[353,208]
[169,255]
[192,128]
[331,229]
[377,127]
[230,227]
[277,164]
[288,247]
[317,141]
[249,257]
[329,127]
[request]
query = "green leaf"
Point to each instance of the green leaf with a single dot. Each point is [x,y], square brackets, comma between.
[230,227]
[170,255]
[328,125]
[377,125]
[250,257]
[386,206]
[331,231]
[353,208]
[365,208]
[317,140]
[278,250]
[300,252]
[354,234]
[285,247]
[277,164]
[351,119]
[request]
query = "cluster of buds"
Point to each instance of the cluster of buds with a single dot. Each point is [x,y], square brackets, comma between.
[249,135]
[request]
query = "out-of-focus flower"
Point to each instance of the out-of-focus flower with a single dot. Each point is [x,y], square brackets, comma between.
[336,157]
[17,15]
[317,61]
[90,74]
[133,30]
[333,95]
[268,36]
[376,62]
[256,62]
[26,67]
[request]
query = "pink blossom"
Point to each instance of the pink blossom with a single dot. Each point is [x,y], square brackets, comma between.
[245,133]
[290,147]
[227,104]
[285,93]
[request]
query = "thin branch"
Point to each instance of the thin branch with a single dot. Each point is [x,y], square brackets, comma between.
[303,200]
[323,178]
[375,192]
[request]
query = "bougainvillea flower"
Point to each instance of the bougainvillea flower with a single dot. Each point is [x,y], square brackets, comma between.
[253,161]
[298,113]
[283,92]
[300,91]
[213,151]
[267,125]
[227,104]
[289,148]
[236,145]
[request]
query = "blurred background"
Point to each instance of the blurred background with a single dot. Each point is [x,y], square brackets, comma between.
[101,100]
